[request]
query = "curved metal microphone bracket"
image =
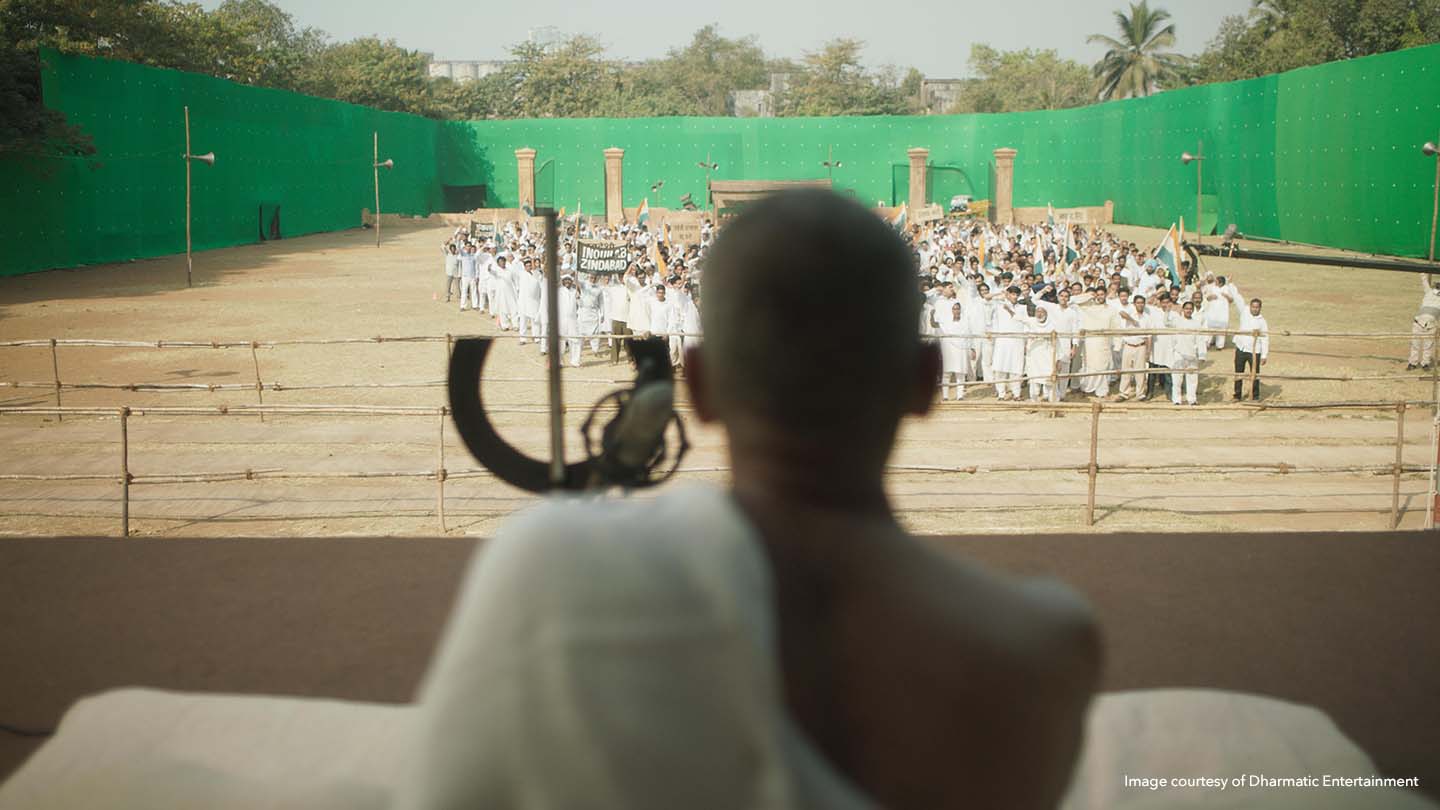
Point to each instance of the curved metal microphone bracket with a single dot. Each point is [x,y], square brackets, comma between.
[467,361]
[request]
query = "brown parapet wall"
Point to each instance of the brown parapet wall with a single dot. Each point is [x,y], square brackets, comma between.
[1335,620]
[1084,215]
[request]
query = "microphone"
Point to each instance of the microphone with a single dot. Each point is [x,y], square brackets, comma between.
[632,439]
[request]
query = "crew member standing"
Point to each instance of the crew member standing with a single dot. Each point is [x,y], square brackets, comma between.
[1422,345]
[1252,346]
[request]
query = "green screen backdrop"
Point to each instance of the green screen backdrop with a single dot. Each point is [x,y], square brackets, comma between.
[1328,155]
[309,156]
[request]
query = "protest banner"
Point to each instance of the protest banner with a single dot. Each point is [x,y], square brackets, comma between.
[602,258]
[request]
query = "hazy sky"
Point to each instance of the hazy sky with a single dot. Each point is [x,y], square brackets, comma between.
[932,36]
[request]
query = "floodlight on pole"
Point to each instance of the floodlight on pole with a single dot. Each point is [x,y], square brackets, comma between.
[830,163]
[209,160]
[378,165]
[1199,160]
[1429,150]
[709,167]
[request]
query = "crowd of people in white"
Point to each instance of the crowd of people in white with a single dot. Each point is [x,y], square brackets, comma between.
[503,277]
[1054,309]
[1059,309]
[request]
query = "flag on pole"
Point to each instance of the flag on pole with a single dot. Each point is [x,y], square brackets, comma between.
[643,216]
[1039,257]
[1071,253]
[1050,214]
[897,219]
[1168,254]
[658,257]
[984,260]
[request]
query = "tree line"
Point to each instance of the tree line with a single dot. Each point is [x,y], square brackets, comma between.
[256,42]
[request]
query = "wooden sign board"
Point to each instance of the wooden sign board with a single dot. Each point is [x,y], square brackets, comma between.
[684,227]
[929,213]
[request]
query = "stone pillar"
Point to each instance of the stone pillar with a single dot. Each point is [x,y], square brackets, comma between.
[614,188]
[919,194]
[1003,211]
[525,160]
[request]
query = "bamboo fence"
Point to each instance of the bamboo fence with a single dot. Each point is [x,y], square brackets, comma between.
[1247,378]
[440,474]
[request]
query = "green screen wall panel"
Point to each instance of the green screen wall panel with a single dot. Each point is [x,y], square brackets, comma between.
[1327,155]
[311,156]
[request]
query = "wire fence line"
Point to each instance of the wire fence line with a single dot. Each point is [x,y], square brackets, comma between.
[1058,373]
[377,339]
[440,473]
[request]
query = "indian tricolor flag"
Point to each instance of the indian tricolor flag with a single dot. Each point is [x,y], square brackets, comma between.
[1050,214]
[897,219]
[1168,254]
[643,216]
[983,258]
[1071,253]
[1039,257]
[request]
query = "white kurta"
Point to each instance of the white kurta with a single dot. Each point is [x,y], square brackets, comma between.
[640,298]
[617,301]
[1009,356]
[1040,351]
[590,305]
[567,311]
[1099,360]
[690,323]
[527,292]
[955,348]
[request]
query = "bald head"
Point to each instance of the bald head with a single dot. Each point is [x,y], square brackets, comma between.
[811,316]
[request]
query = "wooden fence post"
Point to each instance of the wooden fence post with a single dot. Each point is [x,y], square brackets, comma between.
[1435,373]
[124,472]
[1093,469]
[259,386]
[1399,463]
[1254,363]
[55,367]
[440,470]
[449,349]
[1054,372]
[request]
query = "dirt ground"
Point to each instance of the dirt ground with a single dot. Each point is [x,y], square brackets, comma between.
[340,285]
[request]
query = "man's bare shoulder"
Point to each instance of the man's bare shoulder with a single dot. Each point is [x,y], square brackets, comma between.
[1022,626]
[982,678]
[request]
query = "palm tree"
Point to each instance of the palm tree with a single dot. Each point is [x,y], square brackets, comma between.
[1135,65]
[1270,14]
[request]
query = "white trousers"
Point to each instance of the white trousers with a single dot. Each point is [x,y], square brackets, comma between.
[952,381]
[1191,380]
[469,291]
[1422,345]
[1007,384]
[1042,390]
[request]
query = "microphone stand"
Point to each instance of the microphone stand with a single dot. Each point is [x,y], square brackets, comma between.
[552,334]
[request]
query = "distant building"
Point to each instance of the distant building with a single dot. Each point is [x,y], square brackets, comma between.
[465,70]
[759,103]
[939,95]
[751,104]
